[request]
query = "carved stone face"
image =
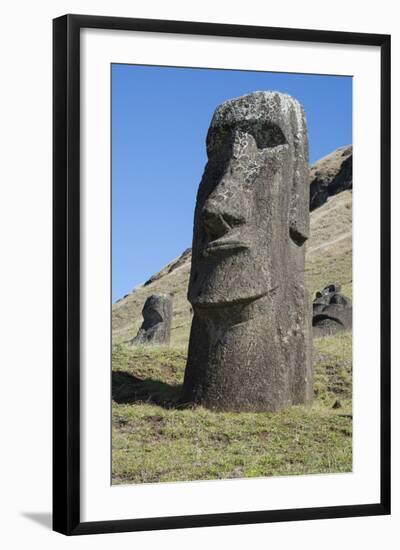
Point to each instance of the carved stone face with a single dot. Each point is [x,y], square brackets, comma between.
[157,316]
[252,210]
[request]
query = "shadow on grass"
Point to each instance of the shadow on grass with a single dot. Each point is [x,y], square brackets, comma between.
[127,388]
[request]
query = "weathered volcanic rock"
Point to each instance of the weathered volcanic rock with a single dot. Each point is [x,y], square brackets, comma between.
[157,317]
[250,342]
[331,175]
[331,311]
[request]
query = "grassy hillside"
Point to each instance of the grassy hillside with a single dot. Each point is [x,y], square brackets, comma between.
[154,440]
[329,249]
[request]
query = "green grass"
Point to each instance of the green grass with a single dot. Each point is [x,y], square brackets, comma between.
[154,440]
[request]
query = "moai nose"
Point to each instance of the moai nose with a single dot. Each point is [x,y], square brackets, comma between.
[214,224]
[218,220]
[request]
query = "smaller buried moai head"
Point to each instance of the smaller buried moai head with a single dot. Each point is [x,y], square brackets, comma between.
[252,210]
[332,311]
[323,297]
[157,317]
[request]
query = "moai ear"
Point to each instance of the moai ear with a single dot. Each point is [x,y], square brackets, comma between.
[299,223]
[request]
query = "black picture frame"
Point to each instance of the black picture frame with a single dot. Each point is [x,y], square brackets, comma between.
[66,272]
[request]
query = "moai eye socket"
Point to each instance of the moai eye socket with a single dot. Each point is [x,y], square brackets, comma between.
[267,135]
[221,138]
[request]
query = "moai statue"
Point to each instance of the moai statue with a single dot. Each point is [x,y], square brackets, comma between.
[323,297]
[250,340]
[332,311]
[157,317]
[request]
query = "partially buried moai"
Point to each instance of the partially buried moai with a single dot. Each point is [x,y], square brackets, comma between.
[157,317]
[332,311]
[250,340]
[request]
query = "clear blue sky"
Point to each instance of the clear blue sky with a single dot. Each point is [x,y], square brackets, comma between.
[160,117]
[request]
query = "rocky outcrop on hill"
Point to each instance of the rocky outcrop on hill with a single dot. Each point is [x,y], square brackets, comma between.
[169,268]
[331,175]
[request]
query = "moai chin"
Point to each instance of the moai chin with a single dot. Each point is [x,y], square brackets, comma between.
[250,340]
[157,317]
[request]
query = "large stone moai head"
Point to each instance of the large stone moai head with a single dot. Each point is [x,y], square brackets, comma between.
[253,197]
[250,339]
[157,317]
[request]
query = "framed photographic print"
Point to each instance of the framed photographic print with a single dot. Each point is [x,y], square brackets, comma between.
[221,274]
